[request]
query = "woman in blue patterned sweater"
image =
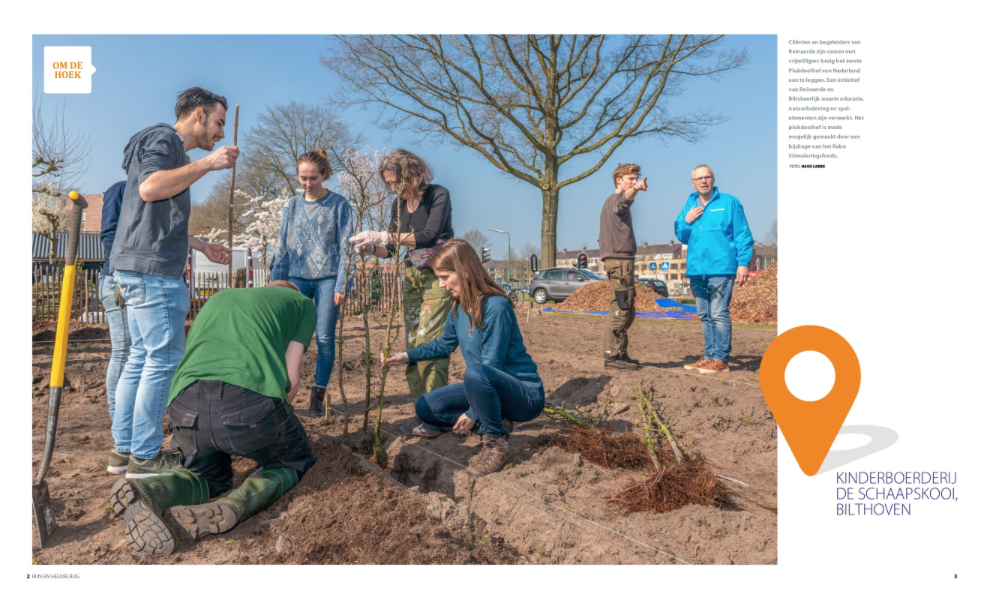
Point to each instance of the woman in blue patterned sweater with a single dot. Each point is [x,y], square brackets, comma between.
[313,255]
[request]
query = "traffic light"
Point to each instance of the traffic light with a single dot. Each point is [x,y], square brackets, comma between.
[582,261]
[486,254]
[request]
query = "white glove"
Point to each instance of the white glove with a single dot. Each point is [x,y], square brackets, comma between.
[369,237]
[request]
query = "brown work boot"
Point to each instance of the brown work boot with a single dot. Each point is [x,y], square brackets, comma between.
[714,366]
[700,363]
[620,364]
[627,359]
[316,406]
[494,454]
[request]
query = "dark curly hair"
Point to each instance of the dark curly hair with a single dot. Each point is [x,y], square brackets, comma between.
[402,163]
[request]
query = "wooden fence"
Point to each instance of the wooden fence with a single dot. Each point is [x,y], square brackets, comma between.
[46,287]
[87,306]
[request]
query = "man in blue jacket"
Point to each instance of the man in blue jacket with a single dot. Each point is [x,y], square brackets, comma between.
[119,333]
[719,249]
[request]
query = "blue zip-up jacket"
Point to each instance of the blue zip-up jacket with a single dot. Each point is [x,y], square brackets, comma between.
[719,240]
[499,344]
[112,201]
[315,247]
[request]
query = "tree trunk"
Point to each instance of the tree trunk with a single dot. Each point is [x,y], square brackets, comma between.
[53,247]
[548,227]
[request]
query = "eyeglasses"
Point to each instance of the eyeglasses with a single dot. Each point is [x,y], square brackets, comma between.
[704,178]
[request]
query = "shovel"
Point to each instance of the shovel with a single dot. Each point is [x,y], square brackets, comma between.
[40,497]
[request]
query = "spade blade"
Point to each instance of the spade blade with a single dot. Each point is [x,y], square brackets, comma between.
[43,515]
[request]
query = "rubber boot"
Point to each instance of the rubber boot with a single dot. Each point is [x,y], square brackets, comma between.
[145,501]
[317,408]
[258,492]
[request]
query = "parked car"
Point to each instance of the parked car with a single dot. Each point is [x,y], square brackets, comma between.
[557,284]
[657,286]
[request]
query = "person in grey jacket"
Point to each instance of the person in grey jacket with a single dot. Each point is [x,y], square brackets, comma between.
[148,260]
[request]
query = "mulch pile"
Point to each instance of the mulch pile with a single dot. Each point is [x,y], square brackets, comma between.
[596,297]
[757,299]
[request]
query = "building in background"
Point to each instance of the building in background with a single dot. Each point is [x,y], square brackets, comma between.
[672,254]
[764,256]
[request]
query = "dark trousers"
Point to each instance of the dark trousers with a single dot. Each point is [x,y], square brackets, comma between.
[213,420]
[491,394]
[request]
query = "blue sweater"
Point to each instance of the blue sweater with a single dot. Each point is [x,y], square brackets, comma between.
[112,200]
[316,246]
[499,344]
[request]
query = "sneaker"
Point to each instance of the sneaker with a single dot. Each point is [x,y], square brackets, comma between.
[714,366]
[702,362]
[423,430]
[493,456]
[145,468]
[619,364]
[117,462]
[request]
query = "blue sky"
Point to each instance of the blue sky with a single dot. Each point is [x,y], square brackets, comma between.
[138,78]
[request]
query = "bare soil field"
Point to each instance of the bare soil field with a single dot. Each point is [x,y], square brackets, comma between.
[546,506]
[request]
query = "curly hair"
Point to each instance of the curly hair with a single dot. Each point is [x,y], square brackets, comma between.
[624,169]
[408,166]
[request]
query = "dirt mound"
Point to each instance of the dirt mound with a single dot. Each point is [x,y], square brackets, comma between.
[341,513]
[595,297]
[757,299]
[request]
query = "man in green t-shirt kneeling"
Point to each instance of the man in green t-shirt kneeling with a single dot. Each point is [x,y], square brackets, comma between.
[231,395]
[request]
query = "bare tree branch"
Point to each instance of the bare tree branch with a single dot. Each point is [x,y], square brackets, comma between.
[530,104]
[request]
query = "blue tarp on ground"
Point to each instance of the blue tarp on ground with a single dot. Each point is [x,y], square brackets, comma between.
[686,312]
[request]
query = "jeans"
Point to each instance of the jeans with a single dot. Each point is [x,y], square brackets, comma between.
[119,336]
[156,309]
[213,420]
[491,394]
[713,296]
[322,290]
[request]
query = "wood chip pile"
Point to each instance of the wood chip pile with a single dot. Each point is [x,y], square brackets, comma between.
[595,297]
[757,299]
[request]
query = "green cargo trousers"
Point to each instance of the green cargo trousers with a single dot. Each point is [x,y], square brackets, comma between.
[621,305]
[425,310]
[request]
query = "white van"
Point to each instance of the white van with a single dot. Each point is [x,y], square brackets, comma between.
[205,277]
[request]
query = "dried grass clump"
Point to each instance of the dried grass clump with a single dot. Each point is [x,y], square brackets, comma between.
[600,446]
[675,478]
[675,486]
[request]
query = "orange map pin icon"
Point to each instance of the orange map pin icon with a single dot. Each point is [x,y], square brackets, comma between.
[810,427]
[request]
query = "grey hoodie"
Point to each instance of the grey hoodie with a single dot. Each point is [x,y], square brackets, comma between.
[152,237]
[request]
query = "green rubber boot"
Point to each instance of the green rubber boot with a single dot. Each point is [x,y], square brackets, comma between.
[258,492]
[143,502]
